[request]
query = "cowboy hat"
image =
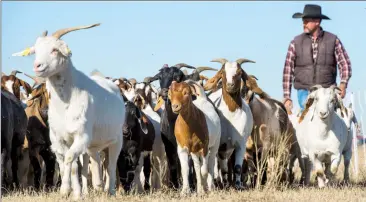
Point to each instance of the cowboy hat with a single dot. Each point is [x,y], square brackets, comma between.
[311,11]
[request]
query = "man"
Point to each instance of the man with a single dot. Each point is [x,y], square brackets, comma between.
[313,57]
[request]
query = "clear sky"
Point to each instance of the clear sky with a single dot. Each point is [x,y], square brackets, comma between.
[136,38]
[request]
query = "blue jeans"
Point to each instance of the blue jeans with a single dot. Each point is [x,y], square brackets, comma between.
[301,97]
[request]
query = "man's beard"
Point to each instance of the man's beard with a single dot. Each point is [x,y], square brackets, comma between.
[308,31]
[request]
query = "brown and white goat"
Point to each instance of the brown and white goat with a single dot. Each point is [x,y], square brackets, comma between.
[38,137]
[12,84]
[197,131]
[235,114]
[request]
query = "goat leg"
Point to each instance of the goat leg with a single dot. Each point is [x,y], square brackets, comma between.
[50,161]
[147,171]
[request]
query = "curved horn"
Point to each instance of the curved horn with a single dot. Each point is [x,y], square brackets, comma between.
[32,77]
[201,69]
[335,88]
[154,78]
[128,82]
[220,60]
[132,81]
[3,74]
[36,79]
[59,33]
[240,61]
[147,79]
[180,65]
[44,33]
[252,76]
[15,72]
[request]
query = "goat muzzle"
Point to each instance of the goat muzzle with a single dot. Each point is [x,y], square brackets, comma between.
[176,108]
[323,115]
[231,88]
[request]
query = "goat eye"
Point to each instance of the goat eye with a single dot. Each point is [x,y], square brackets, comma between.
[54,50]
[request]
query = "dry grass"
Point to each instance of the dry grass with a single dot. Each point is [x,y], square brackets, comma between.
[354,192]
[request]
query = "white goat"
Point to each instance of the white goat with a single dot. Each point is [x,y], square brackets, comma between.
[235,114]
[86,114]
[349,117]
[322,134]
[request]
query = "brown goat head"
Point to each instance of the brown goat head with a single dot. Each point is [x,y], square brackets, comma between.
[180,95]
[12,84]
[230,73]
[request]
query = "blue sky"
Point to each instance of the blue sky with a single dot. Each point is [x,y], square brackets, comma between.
[136,38]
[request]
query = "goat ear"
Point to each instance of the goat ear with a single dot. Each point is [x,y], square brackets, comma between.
[315,87]
[336,89]
[193,91]
[143,126]
[251,83]
[154,78]
[244,75]
[308,104]
[25,52]
[202,77]
[142,122]
[159,104]
[212,82]
[64,49]
[26,87]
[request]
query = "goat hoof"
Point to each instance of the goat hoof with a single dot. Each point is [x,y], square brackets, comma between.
[111,192]
[146,187]
[239,186]
[200,191]
[76,197]
[185,192]
[321,183]
[346,182]
[85,191]
[65,191]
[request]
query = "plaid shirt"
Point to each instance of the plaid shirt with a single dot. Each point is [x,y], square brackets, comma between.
[341,56]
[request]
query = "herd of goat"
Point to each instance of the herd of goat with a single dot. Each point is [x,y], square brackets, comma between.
[211,133]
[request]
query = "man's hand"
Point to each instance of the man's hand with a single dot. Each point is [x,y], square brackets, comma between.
[342,86]
[288,104]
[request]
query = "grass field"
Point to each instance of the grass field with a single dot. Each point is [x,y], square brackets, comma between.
[336,192]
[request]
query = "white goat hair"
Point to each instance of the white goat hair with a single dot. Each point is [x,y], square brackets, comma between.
[348,117]
[154,95]
[86,114]
[322,134]
[237,125]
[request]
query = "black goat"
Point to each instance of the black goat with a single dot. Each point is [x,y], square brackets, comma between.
[138,140]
